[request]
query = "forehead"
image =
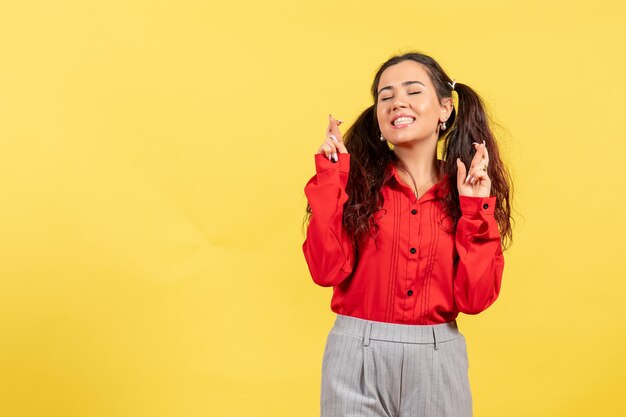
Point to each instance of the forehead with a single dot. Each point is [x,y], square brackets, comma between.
[404,71]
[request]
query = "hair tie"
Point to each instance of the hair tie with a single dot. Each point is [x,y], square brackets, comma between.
[452,84]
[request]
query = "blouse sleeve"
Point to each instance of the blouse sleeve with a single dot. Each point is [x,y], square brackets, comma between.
[478,269]
[328,250]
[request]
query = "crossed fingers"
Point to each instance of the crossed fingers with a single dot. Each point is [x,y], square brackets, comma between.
[479,164]
[334,141]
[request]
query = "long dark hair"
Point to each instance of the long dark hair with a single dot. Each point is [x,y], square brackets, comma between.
[369,156]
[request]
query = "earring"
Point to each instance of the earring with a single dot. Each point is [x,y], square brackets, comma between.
[382,139]
[443,125]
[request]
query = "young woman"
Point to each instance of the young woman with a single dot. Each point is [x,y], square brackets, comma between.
[407,241]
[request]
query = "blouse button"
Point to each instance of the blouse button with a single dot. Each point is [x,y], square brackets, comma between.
[413,211]
[410,292]
[413,250]
[485,205]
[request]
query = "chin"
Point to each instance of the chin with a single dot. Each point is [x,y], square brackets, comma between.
[411,135]
[405,138]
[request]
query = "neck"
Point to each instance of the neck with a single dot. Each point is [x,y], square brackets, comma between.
[421,159]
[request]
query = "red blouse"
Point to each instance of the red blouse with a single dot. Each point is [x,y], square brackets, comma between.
[413,271]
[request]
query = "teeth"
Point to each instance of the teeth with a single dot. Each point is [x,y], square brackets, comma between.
[403,121]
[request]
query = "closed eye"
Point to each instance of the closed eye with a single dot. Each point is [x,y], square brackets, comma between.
[387,98]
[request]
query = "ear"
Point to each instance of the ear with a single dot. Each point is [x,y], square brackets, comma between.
[446,107]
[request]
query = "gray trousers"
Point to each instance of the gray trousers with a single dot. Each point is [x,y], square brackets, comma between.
[378,369]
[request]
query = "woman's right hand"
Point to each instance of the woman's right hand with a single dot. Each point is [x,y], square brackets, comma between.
[334,141]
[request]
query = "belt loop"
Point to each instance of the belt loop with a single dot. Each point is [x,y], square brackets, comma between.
[366,336]
[435,338]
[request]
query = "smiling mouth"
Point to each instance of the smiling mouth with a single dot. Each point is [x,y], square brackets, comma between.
[401,122]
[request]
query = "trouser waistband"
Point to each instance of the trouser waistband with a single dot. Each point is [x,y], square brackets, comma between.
[394,332]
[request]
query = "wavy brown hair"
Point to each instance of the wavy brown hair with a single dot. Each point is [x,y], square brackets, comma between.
[369,156]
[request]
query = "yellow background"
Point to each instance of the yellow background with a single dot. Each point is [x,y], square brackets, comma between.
[153,156]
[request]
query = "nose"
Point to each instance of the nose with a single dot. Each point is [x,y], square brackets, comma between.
[398,104]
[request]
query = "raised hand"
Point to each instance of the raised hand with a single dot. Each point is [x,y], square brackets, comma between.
[476,182]
[334,140]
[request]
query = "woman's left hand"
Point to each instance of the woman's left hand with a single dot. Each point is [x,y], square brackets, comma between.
[476,182]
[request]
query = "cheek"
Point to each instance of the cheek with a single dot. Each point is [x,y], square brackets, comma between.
[380,118]
[423,107]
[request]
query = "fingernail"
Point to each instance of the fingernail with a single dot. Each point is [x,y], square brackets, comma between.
[330,157]
[466,178]
[334,138]
[335,156]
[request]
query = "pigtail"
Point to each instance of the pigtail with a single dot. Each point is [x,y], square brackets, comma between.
[471,124]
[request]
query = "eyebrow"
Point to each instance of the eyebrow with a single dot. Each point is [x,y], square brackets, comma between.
[404,83]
